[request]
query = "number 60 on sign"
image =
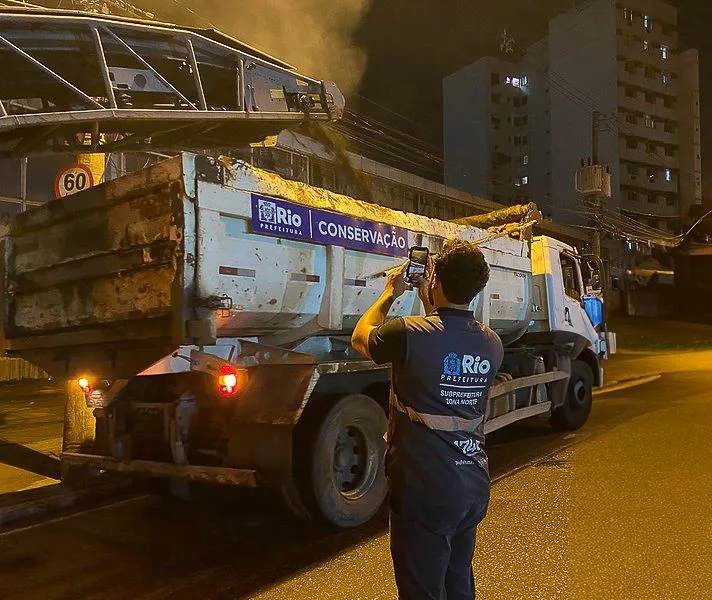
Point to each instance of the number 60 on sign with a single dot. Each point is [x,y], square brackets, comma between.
[72,179]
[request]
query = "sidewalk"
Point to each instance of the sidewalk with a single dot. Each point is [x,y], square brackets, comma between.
[31,419]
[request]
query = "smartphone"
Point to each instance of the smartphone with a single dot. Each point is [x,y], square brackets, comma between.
[418,264]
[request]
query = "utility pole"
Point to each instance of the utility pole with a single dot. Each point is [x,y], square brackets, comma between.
[594,182]
[594,198]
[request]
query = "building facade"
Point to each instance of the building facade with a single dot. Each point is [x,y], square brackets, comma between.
[619,58]
[487,116]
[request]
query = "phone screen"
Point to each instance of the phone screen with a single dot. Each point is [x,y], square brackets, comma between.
[418,263]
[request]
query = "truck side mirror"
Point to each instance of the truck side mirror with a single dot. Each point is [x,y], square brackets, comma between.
[593,281]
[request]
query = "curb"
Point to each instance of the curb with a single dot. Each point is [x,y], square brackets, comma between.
[624,384]
[52,499]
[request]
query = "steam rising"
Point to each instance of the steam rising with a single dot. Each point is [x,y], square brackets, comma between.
[313,35]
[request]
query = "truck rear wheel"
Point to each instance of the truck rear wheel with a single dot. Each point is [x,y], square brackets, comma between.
[579,398]
[347,478]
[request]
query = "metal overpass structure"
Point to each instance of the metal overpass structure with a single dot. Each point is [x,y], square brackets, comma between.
[76,82]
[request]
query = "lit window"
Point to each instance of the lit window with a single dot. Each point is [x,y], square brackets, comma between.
[652,175]
[668,175]
[666,79]
[525,159]
[517,82]
[646,45]
[647,22]
[628,15]
[664,51]
[525,180]
[649,122]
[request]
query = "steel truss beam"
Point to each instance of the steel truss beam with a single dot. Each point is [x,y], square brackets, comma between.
[134,83]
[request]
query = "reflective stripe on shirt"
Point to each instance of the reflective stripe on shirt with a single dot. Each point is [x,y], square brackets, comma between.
[441,422]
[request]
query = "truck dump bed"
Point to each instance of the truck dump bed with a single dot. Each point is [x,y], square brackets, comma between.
[195,249]
[98,274]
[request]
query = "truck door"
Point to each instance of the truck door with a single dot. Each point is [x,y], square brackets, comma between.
[573,317]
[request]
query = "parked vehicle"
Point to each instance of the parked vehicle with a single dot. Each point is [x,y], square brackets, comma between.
[201,311]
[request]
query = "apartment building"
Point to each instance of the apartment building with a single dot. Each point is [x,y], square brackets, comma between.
[620,58]
[486,130]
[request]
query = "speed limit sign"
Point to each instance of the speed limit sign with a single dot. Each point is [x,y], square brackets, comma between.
[72,179]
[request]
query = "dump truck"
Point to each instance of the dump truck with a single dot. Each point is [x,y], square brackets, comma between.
[201,310]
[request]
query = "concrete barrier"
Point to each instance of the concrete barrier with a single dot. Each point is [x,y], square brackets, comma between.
[17,369]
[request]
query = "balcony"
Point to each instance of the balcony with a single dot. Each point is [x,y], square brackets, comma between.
[654,34]
[653,134]
[640,155]
[659,159]
[633,50]
[642,182]
[652,84]
[638,104]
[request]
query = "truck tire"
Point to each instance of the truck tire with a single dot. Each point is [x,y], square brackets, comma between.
[579,398]
[347,475]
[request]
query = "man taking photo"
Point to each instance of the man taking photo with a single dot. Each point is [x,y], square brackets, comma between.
[442,367]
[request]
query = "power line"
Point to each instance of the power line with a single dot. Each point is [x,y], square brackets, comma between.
[393,112]
[381,125]
[404,145]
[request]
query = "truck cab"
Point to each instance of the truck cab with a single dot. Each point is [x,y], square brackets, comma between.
[566,309]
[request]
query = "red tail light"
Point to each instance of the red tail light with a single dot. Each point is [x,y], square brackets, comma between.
[227,380]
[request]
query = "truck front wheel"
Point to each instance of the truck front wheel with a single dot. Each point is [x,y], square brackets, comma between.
[579,397]
[347,476]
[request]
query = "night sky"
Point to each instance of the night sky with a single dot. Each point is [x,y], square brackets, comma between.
[412,45]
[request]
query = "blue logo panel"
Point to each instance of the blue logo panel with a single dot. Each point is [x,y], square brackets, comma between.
[452,365]
[295,221]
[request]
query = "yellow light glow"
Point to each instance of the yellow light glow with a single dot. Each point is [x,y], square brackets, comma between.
[83,383]
[229,380]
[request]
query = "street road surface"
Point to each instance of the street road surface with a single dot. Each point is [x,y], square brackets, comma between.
[31,416]
[619,510]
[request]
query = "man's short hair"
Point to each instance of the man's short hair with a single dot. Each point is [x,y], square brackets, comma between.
[462,271]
